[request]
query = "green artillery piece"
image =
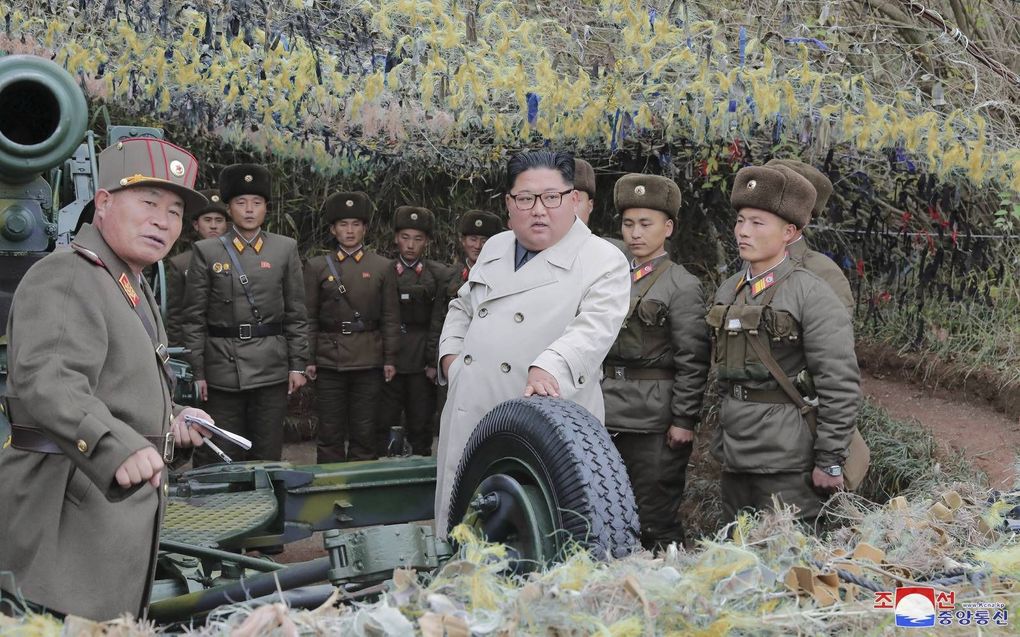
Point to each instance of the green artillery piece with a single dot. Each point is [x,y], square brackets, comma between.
[538,474]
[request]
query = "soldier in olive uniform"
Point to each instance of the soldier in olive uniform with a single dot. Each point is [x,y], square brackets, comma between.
[475,228]
[208,222]
[354,318]
[245,321]
[90,398]
[421,284]
[800,252]
[775,310]
[656,371]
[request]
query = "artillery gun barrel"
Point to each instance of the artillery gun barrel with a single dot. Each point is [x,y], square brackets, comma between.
[43,116]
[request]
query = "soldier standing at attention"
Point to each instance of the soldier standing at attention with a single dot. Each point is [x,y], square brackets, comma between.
[800,252]
[244,320]
[775,314]
[208,222]
[656,371]
[421,284]
[90,396]
[354,319]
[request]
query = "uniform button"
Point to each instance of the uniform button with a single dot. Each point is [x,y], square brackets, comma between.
[166,488]
[82,446]
[467,359]
[518,317]
[580,381]
[505,368]
[231,358]
[482,313]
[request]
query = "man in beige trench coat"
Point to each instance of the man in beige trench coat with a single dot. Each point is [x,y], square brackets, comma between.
[537,315]
[84,483]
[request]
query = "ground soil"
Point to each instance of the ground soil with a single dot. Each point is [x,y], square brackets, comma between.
[989,439]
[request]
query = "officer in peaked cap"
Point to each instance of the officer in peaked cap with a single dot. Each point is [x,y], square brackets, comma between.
[354,329]
[206,222]
[800,251]
[245,321]
[655,373]
[776,315]
[90,397]
[421,284]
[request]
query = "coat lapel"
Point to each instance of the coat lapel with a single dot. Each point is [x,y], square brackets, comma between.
[498,272]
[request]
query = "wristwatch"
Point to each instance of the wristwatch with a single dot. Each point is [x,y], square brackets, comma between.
[835,470]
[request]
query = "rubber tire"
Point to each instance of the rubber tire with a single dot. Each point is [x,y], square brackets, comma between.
[579,463]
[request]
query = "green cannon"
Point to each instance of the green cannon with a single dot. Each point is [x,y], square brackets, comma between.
[540,475]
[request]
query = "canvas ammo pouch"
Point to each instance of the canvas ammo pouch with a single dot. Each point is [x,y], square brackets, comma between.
[732,326]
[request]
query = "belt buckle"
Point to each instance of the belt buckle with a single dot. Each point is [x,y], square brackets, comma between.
[345,328]
[244,331]
[620,373]
[164,356]
[739,392]
[168,447]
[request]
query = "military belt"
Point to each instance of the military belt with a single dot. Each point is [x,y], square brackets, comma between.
[246,331]
[771,396]
[348,327]
[638,373]
[28,438]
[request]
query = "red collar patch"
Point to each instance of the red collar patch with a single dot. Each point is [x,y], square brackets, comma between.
[128,289]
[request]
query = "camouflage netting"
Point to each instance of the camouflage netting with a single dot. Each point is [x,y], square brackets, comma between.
[770,580]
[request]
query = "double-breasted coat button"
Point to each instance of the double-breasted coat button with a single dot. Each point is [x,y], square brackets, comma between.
[166,488]
[82,446]
[467,359]
[580,381]
[483,312]
[505,368]
[518,317]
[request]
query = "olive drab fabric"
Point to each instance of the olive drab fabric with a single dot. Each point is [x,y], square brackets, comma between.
[176,284]
[215,303]
[82,371]
[422,289]
[561,312]
[177,271]
[142,161]
[654,377]
[825,268]
[806,328]
[665,331]
[353,333]
[371,291]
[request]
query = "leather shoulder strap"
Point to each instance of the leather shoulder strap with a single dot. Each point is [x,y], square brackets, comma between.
[649,282]
[242,277]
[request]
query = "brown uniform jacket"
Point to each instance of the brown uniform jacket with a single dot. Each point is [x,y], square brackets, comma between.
[807,328]
[82,369]
[176,282]
[666,332]
[371,284]
[215,297]
[423,298]
[825,268]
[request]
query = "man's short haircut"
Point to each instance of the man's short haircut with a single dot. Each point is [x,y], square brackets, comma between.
[532,159]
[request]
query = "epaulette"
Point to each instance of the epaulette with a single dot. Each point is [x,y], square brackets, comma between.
[88,254]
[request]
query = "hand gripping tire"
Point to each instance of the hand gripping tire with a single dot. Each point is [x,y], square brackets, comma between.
[539,472]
